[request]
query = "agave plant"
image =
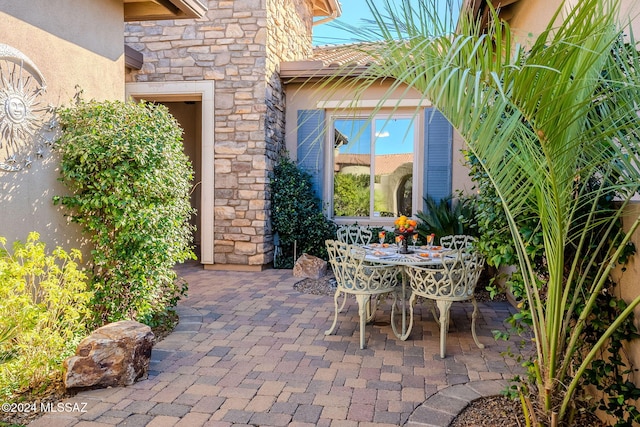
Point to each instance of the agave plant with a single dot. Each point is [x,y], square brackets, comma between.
[445,217]
[554,128]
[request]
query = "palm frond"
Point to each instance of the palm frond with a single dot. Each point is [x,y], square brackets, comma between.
[546,122]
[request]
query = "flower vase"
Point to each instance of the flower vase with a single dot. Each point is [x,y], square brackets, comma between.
[406,235]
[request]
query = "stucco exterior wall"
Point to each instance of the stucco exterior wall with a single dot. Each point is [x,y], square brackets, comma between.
[628,287]
[630,11]
[238,44]
[530,17]
[75,43]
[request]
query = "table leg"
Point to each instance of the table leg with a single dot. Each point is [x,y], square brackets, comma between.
[405,329]
[405,283]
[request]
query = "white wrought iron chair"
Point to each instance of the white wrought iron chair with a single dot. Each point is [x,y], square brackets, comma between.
[457,241]
[454,280]
[356,277]
[354,235]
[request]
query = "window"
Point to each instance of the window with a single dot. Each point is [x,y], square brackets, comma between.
[367,171]
[373,167]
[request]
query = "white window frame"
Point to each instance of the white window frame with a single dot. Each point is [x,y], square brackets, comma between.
[418,162]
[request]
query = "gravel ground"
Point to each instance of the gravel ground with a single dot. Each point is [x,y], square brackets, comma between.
[490,411]
[501,411]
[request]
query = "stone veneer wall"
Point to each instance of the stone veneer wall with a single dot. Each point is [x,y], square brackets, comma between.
[238,44]
[288,39]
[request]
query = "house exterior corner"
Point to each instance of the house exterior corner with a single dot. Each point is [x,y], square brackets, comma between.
[238,46]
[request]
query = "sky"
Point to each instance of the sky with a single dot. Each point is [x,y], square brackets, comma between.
[392,136]
[353,13]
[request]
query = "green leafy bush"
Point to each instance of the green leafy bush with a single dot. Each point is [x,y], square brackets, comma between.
[351,195]
[296,215]
[43,312]
[129,179]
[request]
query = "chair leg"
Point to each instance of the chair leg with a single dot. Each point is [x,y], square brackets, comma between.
[473,322]
[363,303]
[337,310]
[344,302]
[443,308]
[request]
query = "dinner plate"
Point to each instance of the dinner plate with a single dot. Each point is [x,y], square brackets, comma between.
[384,256]
[378,245]
[427,255]
[433,248]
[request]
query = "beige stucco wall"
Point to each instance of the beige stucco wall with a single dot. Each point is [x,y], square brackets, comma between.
[628,281]
[530,17]
[306,97]
[73,43]
[630,11]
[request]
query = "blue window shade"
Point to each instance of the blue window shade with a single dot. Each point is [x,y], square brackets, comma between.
[438,152]
[311,146]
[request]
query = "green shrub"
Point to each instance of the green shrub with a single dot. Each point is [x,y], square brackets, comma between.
[129,179]
[296,215]
[445,217]
[43,312]
[351,195]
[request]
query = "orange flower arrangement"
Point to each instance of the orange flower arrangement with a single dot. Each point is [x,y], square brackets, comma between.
[404,224]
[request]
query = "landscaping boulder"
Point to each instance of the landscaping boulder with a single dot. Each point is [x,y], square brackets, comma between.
[116,354]
[310,266]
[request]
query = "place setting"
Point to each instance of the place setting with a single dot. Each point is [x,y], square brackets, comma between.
[402,252]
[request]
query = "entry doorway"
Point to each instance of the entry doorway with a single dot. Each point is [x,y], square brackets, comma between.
[188,114]
[191,103]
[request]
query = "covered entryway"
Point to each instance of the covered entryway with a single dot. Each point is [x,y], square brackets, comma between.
[191,103]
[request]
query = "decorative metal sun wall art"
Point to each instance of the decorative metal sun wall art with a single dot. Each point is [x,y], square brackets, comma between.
[27,126]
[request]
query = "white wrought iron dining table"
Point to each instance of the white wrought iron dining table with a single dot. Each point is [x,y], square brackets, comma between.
[388,254]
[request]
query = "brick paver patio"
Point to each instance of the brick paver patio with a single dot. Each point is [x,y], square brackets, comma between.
[250,350]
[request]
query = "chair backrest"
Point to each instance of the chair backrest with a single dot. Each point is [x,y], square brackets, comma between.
[345,260]
[457,241]
[475,265]
[463,272]
[353,274]
[354,235]
[454,280]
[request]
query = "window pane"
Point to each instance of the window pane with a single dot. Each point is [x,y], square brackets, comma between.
[352,168]
[393,166]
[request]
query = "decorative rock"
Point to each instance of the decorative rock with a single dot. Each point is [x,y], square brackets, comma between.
[310,266]
[116,354]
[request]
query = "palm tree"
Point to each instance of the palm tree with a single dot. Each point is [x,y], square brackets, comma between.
[553,127]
